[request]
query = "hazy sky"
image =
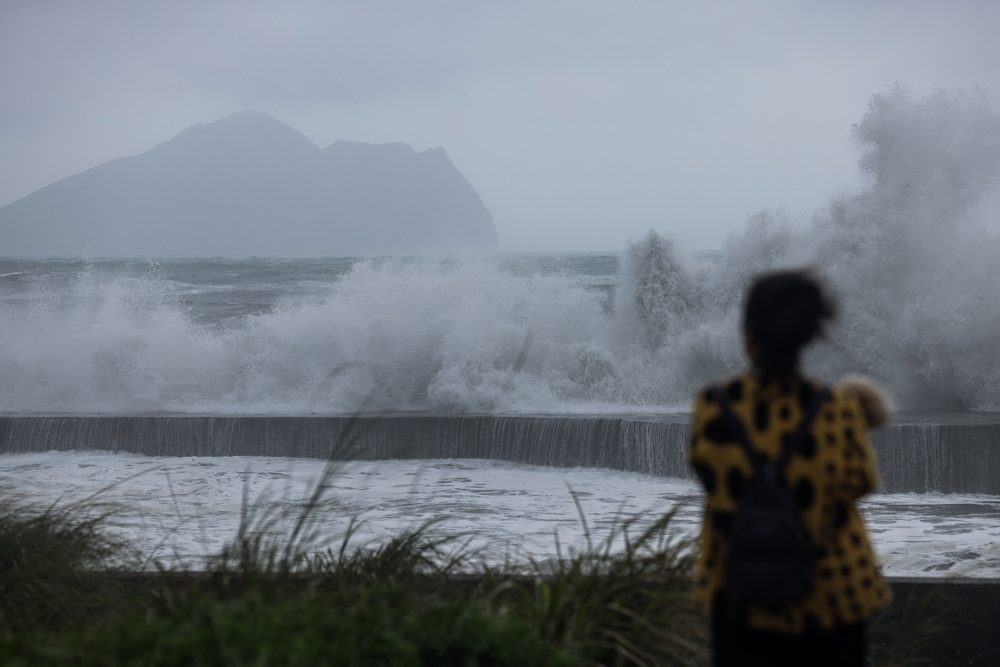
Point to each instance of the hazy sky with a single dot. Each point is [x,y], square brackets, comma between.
[581,124]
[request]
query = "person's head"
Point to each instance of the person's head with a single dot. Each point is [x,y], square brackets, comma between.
[784,311]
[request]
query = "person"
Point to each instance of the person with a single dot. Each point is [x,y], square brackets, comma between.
[831,465]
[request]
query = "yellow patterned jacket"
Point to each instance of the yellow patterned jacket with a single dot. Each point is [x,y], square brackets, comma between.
[834,466]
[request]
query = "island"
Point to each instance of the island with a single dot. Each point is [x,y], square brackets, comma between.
[250,185]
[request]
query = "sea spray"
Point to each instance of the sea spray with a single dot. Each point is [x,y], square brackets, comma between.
[916,253]
[913,256]
[388,335]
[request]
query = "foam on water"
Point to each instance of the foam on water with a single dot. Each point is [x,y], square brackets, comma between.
[181,510]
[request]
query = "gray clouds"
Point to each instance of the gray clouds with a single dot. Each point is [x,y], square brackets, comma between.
[580,123]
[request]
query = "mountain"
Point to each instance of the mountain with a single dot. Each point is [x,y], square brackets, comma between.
[250,185]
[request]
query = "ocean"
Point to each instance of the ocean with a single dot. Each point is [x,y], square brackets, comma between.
[177,390]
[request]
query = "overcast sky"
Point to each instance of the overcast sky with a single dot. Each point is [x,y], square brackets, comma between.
[581,124]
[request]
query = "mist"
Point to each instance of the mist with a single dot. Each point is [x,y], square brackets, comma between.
[580,125]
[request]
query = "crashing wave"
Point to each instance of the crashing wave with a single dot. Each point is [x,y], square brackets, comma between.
[914,257]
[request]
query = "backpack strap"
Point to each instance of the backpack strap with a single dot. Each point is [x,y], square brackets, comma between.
[761,467]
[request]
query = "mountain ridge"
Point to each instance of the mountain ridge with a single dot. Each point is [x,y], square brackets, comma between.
[249,184]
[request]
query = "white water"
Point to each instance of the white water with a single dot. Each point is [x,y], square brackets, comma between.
[424,335]
[914,257]
[182,510]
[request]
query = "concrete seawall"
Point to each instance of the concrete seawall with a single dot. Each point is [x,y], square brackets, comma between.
[922,452]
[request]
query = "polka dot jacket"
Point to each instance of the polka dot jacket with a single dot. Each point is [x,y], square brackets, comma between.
[833,467]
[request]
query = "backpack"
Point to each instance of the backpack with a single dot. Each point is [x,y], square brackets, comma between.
[770,558]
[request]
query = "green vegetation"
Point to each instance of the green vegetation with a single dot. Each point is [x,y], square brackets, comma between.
[283,596]
[384,625]
[51,567]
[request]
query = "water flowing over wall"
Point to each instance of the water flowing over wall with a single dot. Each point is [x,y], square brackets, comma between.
[950,458]
[958,457]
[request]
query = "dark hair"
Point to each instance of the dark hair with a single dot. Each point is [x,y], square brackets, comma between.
[784,312]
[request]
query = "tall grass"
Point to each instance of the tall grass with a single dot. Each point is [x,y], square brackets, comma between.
[623,601]
[52,565]
[284,591]
[290,590]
